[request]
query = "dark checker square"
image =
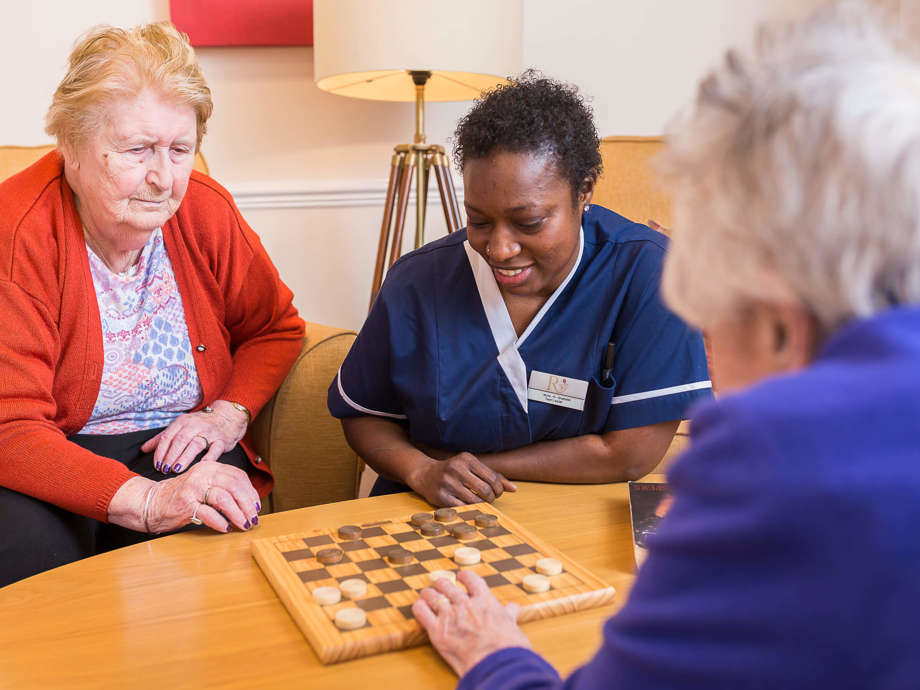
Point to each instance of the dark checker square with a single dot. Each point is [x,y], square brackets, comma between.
[507,564]
[443,541]
[520,549]
[497,531]
[407,570]
[312,575]
[406,611]
[316,541]
[353,545]
[392,586]
[375,564]
[406,536]
[496,580]
[428,555]
[482,545]
[352,577]
[468,514]
[373,603]
[372,532]
[298,554]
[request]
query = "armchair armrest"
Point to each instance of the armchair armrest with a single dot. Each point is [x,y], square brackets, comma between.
[303,444]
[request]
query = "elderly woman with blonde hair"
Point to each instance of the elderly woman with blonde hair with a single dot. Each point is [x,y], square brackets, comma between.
[788,559]
[144,323]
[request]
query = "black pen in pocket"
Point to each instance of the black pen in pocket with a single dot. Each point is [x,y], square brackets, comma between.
[608,365]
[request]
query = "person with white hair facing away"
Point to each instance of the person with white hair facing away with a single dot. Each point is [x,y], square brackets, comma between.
[788,559]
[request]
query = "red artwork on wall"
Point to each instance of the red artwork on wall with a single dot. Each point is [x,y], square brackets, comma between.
[244,22]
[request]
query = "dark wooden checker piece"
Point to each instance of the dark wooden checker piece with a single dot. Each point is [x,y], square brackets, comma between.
[432,529]
[349,532]
[330,556]
[486,520]
[463,531]
[399,556]
[420,519]
[445,515]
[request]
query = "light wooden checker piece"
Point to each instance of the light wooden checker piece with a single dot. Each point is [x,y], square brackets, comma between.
[509,554]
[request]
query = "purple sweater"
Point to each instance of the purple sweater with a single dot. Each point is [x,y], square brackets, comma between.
[790,557]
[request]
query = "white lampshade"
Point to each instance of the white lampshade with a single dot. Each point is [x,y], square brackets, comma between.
[364,48]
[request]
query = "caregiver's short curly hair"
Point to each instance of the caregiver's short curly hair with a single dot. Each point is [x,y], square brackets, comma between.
[533,114]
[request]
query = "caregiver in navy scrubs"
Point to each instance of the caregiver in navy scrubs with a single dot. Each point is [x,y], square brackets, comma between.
[533,345]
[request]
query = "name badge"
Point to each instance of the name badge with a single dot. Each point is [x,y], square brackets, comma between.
[557,390]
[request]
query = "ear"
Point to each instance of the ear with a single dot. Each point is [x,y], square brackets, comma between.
[586,192]
[69,152]
[795,336]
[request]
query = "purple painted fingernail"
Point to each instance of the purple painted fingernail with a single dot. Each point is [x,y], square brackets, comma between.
[255,520]
[177,468]
[166,469]
[229,528]
[246,524]
[157,467]
[258,506]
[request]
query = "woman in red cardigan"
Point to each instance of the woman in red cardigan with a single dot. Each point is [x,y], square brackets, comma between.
[144,323]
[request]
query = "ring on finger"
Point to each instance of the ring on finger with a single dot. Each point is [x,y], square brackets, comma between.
[203,438]
[195,520]
[472,491]
[440,603]
[206,494]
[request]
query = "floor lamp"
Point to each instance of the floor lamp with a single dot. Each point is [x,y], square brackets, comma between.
[416,51]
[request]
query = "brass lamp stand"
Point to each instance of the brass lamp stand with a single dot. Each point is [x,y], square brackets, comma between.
[418,158]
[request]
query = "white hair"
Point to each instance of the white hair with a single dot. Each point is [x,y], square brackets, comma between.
[796,176]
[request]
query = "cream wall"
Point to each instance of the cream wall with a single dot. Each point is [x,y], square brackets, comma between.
[309,169]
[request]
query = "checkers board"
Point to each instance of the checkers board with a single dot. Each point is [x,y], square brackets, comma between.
[509,553]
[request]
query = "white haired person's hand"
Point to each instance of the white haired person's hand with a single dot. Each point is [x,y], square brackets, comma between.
[210,493]
[217,428]
[466,628]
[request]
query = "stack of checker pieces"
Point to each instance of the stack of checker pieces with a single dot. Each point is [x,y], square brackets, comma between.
[509,554]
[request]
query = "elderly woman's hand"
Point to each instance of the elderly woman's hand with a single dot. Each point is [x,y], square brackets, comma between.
[219,495]
[466,628]
[217,430]
[458,480]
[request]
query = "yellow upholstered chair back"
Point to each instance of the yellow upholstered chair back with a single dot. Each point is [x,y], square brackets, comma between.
[16,158]
[628,184]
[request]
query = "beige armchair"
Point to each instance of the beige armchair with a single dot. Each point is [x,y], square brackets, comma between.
[628,187]
[302,443]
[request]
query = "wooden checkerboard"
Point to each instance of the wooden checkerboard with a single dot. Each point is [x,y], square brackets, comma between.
[509,553]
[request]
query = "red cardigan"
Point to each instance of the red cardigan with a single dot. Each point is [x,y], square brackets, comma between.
[244,330]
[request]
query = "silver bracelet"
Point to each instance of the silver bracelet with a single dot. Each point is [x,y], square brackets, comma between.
[147,497]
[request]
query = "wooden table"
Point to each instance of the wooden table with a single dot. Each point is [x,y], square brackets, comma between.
[194,610]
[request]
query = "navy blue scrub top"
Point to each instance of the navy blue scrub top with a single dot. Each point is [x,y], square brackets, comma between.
[438,352]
